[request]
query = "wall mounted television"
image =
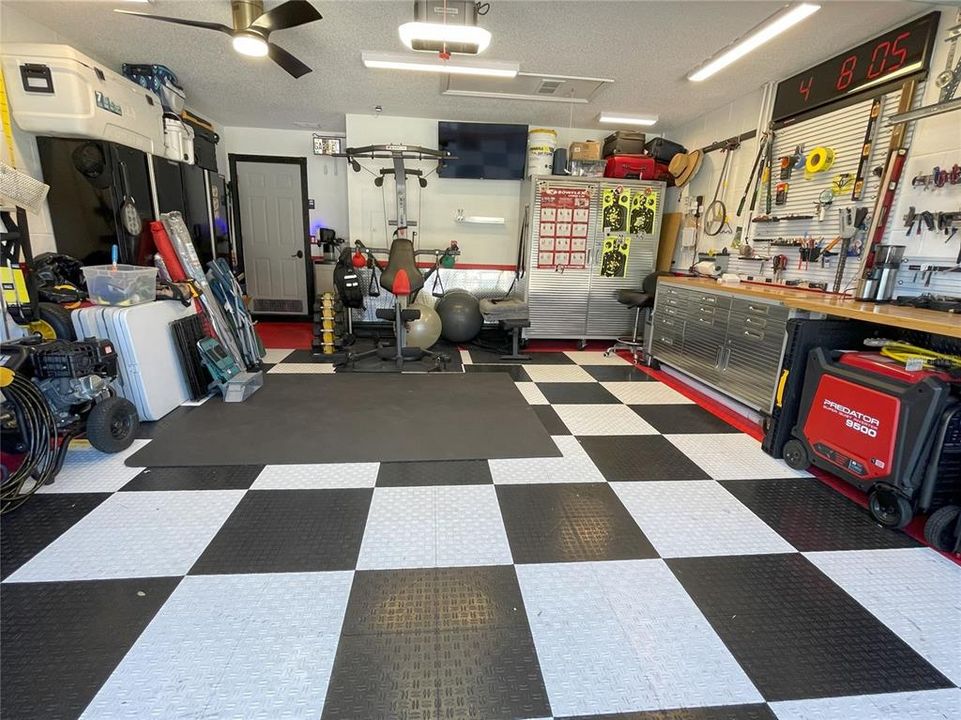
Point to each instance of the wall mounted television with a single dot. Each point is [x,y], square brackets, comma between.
[484,151]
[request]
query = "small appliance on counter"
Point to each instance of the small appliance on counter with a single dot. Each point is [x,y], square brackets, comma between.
[879,282]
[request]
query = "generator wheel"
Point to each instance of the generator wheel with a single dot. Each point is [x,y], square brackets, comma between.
[941,529]
[796,455]
[112,425]
[53,322]
[889,508]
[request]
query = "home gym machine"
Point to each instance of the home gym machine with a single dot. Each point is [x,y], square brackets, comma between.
[401,276]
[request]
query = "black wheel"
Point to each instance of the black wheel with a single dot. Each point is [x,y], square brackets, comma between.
[53,322]
[112,425]
[941,529]
[796,455]
[889,508]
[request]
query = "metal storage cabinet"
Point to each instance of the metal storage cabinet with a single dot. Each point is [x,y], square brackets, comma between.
[578,303]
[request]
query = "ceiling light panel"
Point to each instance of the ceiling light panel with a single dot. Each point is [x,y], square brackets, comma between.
[459,66]
[768,30]
[622,119]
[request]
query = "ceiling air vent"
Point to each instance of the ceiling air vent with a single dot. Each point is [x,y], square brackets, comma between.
[526,86]
[549,86]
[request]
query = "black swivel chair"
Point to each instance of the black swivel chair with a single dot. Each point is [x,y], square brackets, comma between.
[640,301]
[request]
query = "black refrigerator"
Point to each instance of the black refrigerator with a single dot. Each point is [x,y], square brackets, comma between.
[90,180]
[183,188]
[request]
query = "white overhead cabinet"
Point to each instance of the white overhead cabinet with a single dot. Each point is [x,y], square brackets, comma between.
[587,239]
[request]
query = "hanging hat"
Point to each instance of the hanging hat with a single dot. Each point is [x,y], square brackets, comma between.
[684,166]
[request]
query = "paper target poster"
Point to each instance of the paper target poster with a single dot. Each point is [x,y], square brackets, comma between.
[614,255]
[563,227]
[615,207]
[643,211]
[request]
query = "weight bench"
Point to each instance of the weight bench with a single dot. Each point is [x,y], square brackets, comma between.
[513,315]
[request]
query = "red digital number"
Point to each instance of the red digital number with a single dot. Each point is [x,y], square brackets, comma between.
[846,76]
[899,52]
[805,88]
[877,63]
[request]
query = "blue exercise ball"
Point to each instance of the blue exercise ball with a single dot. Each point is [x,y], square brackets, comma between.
[460,316]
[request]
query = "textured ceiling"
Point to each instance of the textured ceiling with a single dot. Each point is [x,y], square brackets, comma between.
[646,47]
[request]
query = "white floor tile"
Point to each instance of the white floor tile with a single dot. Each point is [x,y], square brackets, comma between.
[302,368]
[252,646]
[275,355]
[645,393]
[441,526]
[557,373]
[532,393]
[616,637]
[588,357]
[134,534]
[89,470]
[732,456]
[916,592]
[465,358]
[575,466]
[317,477]
[201,401]
[926,705]
[604,419]
[697,518]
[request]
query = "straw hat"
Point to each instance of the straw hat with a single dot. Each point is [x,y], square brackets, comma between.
[684,166]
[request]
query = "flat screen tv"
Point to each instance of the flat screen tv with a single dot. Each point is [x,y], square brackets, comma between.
[484,151]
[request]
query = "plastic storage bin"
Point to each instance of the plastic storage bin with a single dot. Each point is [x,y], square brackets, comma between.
[58,91]
[124,285]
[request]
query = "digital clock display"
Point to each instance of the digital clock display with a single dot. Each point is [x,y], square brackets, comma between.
[896,54]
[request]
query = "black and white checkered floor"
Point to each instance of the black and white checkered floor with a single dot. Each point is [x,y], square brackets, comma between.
[663,568]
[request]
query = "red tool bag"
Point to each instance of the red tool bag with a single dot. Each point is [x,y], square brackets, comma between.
[638,167]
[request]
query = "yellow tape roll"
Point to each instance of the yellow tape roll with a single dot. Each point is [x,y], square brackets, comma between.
[819,160]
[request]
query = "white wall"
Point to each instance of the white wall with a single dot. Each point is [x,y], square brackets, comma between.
[435,207]
[326,176]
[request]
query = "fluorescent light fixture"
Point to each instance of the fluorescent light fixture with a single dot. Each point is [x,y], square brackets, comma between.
[767,30]
[460,66]
[250,44]
[441,33]
[618,119]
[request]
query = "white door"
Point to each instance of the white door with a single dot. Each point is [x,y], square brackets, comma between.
[273,236]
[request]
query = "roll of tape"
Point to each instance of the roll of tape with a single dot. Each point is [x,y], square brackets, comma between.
[819,160]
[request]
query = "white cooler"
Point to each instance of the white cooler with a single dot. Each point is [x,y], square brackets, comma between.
[150,373]
[55,90]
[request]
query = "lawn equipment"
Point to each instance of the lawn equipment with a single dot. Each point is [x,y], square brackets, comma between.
[890,430]
[51,392]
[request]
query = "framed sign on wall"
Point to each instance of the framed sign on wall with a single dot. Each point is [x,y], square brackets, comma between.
[324,145]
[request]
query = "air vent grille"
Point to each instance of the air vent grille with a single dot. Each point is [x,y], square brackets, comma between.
[287,307]
[549,86]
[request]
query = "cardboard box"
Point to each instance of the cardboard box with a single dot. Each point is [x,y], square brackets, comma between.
[586,150]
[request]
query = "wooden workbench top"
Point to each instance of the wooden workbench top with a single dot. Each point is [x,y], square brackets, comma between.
[932,321]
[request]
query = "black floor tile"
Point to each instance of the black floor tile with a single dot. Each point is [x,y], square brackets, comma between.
[723,712]
[440,472]
[617,373]
[797,634]
[434,599]
[682,419]
[517,372]
[812,516]
[61,640]
[481,357]
[289,531]
[551,420]
[207,477]
[150,430]
[586,393]
[489,674]
[569,522]
[640,457]
[307,356]
[436,643]
[39,521]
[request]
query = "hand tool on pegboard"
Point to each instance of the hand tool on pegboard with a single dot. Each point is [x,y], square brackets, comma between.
[870,133]
[754,178]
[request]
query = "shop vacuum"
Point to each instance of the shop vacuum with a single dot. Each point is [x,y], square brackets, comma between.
[875,421]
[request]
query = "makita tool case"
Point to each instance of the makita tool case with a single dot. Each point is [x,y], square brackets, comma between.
[893,432]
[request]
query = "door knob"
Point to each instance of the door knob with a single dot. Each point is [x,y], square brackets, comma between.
[298,254]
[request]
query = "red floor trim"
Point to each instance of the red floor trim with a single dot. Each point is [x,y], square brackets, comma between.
[286,335]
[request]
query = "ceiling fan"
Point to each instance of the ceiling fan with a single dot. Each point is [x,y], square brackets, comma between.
[252,27]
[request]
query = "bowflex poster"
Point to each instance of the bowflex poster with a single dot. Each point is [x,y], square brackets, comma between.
[563,227]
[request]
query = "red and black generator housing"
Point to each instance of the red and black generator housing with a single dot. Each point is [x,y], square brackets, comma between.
[893,432]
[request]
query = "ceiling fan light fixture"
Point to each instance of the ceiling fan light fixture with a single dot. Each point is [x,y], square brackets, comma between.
[426,36]
[248,43]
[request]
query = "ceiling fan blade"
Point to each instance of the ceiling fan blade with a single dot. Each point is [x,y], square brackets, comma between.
[180,21]
[287,61]
[290,14]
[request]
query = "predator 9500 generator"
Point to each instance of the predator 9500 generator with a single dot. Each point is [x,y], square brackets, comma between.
[894,432]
